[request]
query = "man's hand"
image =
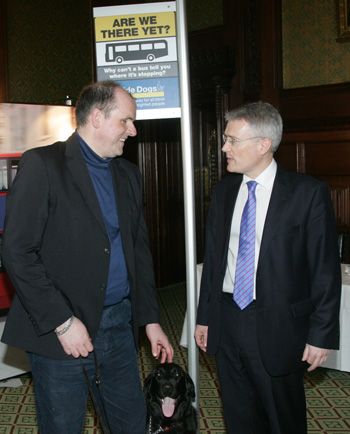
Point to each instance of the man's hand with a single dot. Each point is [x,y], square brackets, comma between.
[201,337]
[315,356]
[159,342]
[75,341]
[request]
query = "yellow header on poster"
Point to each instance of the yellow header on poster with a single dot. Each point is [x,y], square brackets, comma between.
[139,26]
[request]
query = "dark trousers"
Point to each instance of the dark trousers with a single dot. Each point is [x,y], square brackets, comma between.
[254,402]
[61,390]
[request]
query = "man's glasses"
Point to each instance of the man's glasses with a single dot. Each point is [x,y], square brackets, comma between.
[232,141]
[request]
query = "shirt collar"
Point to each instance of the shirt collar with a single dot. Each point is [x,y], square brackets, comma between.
[266,178]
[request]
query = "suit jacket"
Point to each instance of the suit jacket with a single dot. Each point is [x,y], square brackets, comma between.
[298,277]
[56,250]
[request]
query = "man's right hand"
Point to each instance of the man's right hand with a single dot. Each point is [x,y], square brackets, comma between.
[76,341]
[201,337]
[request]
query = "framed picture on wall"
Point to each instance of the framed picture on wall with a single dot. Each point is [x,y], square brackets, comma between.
[343,20]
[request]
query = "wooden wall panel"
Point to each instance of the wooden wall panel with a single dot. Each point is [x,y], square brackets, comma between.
[286,155]
[3,53]
[325,155]
[318,108]
[341,200]
[328,158]
[160,161]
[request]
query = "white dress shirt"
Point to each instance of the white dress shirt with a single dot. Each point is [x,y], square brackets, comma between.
[263,194]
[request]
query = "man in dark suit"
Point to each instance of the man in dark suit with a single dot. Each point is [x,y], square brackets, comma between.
[270,289]
[76,249]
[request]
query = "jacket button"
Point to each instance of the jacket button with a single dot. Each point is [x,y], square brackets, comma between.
[103,286]
[107,251]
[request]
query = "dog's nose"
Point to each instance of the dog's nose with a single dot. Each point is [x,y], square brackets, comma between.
[167,388]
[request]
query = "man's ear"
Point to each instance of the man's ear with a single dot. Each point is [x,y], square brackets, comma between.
[265,146]
[96,115]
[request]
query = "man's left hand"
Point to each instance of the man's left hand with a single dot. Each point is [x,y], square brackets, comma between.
[159,343]
[314,356]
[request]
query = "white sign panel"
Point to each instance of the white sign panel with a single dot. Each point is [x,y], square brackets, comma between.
[136,47]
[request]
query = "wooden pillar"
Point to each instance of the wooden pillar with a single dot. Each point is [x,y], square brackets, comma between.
[3,53]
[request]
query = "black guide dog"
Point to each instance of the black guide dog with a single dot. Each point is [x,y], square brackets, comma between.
[169,392]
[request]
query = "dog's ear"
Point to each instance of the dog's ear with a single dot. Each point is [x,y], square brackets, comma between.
[190,390]
[147,387]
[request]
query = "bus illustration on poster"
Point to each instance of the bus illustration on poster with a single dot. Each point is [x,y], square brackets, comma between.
[119,52]
[136,47]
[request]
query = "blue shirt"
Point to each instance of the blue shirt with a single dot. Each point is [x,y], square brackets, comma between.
[101,175]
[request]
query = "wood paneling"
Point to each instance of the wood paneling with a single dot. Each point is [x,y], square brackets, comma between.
[212,67]
[316,108]
[3,53]
[330,158]
[287,155]
[157,151]
[325,155]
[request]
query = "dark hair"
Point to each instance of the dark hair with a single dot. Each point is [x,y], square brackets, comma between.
[99,95]
[263,119]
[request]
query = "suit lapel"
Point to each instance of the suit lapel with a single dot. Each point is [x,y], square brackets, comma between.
[277,207]
[77,167]
[229,203]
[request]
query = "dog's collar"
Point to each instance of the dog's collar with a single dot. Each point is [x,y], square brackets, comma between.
[160,429]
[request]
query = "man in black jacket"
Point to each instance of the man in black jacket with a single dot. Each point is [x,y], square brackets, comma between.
[76,249]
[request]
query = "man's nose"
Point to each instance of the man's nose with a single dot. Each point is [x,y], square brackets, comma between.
[225,147]
[132,129]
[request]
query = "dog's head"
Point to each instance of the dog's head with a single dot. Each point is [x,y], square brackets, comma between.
[169,392]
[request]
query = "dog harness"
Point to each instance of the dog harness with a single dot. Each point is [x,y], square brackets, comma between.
[160,429]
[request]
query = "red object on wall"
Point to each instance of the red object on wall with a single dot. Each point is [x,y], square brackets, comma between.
[6,291]
[8,170]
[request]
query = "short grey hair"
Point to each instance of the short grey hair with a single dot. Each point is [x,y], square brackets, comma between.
[263,119]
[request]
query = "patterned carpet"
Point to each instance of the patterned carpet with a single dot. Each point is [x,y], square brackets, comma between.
[328,391]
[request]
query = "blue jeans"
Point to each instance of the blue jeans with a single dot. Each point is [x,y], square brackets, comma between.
[61,390]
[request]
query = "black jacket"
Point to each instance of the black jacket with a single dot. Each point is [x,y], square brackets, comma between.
[298,278]
[56,248]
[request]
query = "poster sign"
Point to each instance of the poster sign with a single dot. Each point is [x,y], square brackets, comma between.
[136,47]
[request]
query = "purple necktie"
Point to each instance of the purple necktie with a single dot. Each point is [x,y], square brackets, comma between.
[243,293]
